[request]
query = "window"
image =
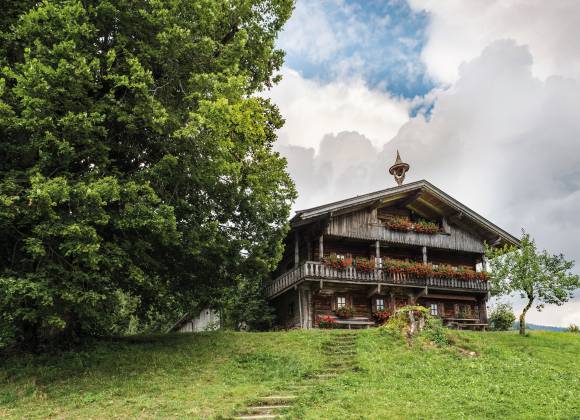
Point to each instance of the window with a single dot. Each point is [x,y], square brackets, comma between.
[434,309]
[340,301]
[380,304]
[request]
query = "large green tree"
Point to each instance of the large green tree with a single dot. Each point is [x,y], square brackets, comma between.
[538,277]
[137,175]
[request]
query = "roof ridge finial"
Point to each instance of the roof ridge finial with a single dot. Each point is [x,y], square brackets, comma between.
[399,169]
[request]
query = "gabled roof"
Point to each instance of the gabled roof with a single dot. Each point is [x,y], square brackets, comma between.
[423,198]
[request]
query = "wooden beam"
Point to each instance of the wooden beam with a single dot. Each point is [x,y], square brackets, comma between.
[424,252]
[431,206]
[296,249]
[446,227]
[321,247]
[409,199]
[453,297]
[374,291]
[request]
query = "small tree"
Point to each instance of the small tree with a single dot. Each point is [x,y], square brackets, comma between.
[502,318]
[539,277]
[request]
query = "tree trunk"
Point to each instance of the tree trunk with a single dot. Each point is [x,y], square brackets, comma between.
[523,317]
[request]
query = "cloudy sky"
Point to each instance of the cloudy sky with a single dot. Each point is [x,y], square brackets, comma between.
[482,98]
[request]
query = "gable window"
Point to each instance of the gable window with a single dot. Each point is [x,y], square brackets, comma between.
[434,309]
[340,301]
[380,304]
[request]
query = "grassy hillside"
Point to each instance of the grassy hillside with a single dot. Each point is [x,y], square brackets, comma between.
[209,375]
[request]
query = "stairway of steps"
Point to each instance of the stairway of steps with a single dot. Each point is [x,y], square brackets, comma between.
[339,352]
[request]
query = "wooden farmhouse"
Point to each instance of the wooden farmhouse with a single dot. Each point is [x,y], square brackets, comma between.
[412,244]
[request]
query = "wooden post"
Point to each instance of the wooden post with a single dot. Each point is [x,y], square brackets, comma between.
[378,254]
[309,248]
[483,263]
[296,249]
[424,249]
[320,247]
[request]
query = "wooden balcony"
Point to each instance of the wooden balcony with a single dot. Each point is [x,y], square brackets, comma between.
[313,270]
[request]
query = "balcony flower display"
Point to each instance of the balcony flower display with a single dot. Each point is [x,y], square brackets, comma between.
[337,263]
[326,322]
[417,269]
[364,264]
[399,223]
[381,317]
[425,226]
[345,311]
[403,224]
[392,265]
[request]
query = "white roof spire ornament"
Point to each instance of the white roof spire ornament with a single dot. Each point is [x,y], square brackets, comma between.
[399,169]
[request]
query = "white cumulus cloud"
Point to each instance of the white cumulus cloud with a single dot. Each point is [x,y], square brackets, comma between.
[459,30]
[313,109]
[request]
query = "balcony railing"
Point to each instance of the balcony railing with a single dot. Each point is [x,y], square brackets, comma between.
[312,270]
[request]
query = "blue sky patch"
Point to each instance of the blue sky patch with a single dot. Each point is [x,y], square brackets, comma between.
[376,40]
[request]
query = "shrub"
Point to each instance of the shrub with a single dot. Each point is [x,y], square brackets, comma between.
[502,318]
[435,332]
[417,310]
[573,328]
[345,311]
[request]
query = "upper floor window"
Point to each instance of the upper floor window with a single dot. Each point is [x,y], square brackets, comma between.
[434,309]
[380,304]
[340,301]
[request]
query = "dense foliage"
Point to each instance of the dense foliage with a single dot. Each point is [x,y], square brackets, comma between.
[502,317]
[537,276]
[137,176]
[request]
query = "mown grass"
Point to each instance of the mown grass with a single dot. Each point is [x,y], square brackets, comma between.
[511,377]
[208,375]
[185,375]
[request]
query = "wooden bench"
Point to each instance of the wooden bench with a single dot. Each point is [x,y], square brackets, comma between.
[353,322]
[465,323]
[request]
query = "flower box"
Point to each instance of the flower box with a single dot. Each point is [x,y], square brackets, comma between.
[365,265]
[337,263]
[417,269]
[345,311]
[381,317]
[326,322]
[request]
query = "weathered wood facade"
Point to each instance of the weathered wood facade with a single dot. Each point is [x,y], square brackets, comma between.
[305,287]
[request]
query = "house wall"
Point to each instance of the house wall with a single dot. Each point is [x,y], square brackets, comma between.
[207,320]
[364,224]
[323,302]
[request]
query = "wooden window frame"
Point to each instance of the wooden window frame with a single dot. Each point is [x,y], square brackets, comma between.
[376,304]
[434,309]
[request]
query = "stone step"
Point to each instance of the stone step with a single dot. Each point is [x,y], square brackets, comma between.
[258,416]
[277,399]
[326,375]
[262,409]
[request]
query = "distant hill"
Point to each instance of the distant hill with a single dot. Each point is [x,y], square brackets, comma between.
[539,327]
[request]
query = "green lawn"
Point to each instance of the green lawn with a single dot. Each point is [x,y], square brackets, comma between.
[209,375]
